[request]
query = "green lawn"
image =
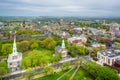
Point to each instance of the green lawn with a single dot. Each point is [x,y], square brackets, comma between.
[67,76]
[80,75]
[52,77]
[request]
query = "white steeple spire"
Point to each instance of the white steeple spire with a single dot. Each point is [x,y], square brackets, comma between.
[63,44]
[14,46]
[63,35]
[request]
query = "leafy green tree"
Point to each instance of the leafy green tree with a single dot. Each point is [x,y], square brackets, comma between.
[34,45]
[57,57]
[65,65]
[1,35]
[29,73]
[49,43]
[101,72]
[18,46]
[105,73]
[3,68]
[26,62]
[35,58]
[24,46]
[102,41]
[1,49]
[49,70]
[28,31]
[2,72]
[7,34]
[6,49]
[73,50]
[81,60]
[82,49]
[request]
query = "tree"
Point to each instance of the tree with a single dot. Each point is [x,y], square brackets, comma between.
[93,51]
[29,73]
[101,72]
[102,41]
[80,60]
[3,69]
[6,49]
[65,65]
[2,72]
[34,45]
[24,46]
[26,62]
[7,34]
[35,58]
[1,49]
[82,49]
[1,35]
[73,50]
[57,56]
[49,43]
[49,70]
[116,45]
[105,73]
[27,31]
[102,47]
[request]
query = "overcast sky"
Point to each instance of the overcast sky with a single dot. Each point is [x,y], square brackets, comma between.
[91,8]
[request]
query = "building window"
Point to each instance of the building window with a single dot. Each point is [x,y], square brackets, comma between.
[112,60]
[98,56]
[14,57]
[109,61]
[10,63]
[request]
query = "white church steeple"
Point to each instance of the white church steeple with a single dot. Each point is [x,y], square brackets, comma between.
[14,46]
[63,44]
[14,59]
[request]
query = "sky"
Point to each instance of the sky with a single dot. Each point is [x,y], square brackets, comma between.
[83,8]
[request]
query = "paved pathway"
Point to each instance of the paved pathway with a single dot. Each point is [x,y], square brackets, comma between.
[66,73]
[71,78]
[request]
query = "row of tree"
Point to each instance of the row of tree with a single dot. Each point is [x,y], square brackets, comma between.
[3,69]
[26,45]
[100,72]
[78,49]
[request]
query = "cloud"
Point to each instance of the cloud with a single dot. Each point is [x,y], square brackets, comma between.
[60,7]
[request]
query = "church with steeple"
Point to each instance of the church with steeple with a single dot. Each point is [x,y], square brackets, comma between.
[14,59]
[62,49]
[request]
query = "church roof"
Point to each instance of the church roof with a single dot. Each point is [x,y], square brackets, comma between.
[111,53]
[58,48]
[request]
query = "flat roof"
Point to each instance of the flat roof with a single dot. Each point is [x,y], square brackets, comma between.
[111,52]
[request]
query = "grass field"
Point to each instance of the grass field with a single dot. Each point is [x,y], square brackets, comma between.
[67,76]
[80,75]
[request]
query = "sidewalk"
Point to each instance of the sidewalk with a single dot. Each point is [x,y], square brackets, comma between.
[13,73]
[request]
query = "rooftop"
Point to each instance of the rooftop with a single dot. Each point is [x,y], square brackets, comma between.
[111,53]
